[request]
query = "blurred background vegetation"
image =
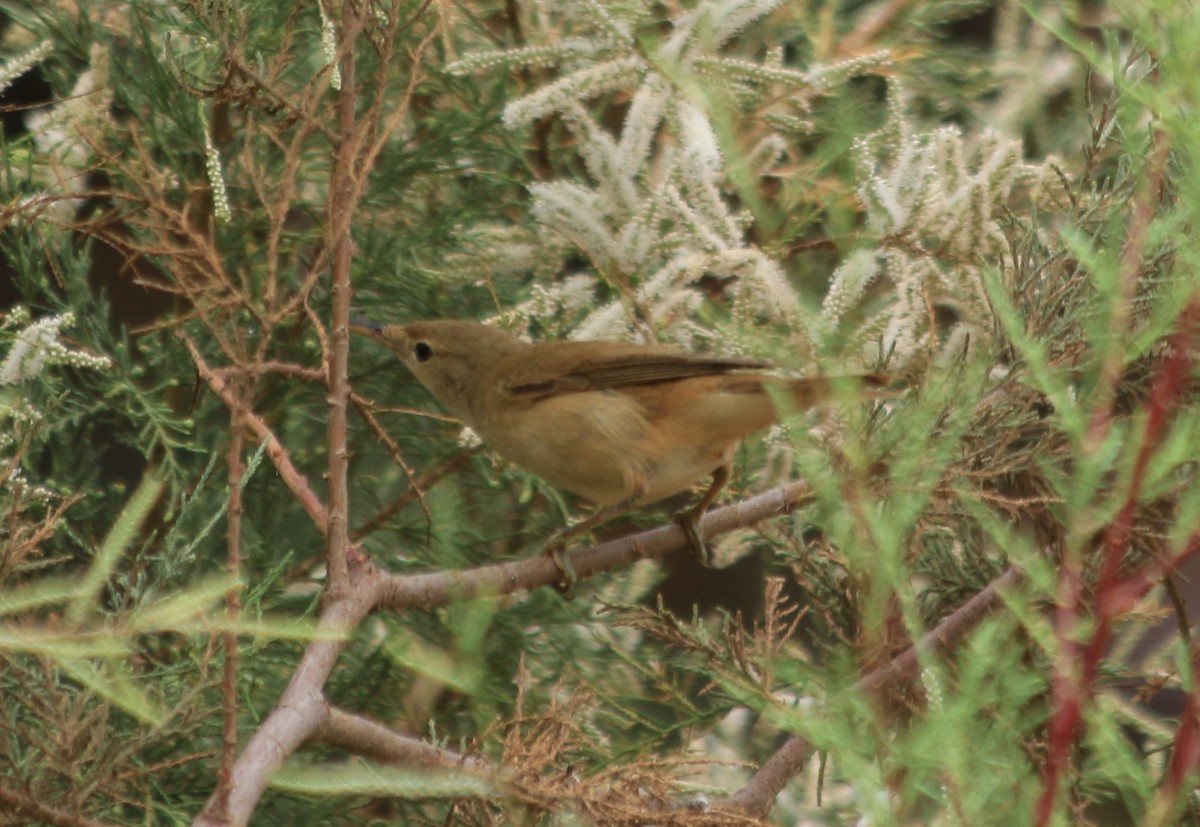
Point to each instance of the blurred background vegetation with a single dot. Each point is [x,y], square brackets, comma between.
[993,200]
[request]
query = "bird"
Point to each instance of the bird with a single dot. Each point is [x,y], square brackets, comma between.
[620,424]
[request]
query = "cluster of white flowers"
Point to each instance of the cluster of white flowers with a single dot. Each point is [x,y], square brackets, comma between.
[34,347]
[216,177]
[329,47]
[654,218]
[38,346]
[932,201]
[63,134]
[10,70]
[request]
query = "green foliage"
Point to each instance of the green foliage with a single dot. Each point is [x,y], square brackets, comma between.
[992,201]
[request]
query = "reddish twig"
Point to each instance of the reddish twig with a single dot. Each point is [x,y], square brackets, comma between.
[1185,754]
[291,476]
[1077,666]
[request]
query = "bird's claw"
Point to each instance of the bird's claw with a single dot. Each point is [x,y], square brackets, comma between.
[700,551]
[556,551]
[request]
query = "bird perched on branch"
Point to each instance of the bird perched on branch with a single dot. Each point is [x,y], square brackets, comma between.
[620,424]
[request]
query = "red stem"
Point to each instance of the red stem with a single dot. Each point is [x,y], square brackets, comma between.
[1078,667]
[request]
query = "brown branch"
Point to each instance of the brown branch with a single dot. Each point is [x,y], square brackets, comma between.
[414,490]
[755,799]
[362,736]
[302,712]
[344,193]
[427,591]
[233,602]
[16,803]
[289,369]
[291,476]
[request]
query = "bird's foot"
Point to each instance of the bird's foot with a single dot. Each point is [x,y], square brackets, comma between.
[556,550]
[689,521]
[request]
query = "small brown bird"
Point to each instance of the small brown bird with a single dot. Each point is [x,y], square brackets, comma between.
[621,424]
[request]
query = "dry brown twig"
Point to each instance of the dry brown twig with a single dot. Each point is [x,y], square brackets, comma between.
[756,797]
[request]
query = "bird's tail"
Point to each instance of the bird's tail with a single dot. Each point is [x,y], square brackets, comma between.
[792,396]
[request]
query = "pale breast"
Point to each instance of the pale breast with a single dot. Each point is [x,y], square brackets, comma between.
[597,444]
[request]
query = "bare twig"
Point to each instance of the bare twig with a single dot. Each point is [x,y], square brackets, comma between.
[362,736]
[414,490]
[291,476]
[344,193]
[233,601]
[756,798]
[302,711]
[15,803]
[414,486]
[426,591]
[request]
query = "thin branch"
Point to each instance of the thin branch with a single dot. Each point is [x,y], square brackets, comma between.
[1077,666]
[303,712]
[756,798]
[233,602]
[15,803]
[344,193]
[291,476]
[414,487]
[359,735]
[290,369]
[427,591]
[414,490]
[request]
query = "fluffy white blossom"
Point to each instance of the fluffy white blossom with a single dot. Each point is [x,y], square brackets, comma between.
[10,70]
[932,200]
[654,217]
[38,345]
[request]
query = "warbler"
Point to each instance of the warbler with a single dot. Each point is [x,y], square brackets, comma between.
[620,424]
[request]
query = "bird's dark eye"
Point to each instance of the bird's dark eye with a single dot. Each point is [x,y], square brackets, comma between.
[423,351]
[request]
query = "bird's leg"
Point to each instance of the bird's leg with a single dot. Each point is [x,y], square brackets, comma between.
[556,546]
[689,519]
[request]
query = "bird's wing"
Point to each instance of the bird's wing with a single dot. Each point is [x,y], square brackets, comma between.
[583,368]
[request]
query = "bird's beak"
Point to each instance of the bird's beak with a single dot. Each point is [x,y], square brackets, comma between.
[369,329]
[364,326]
[377,332]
